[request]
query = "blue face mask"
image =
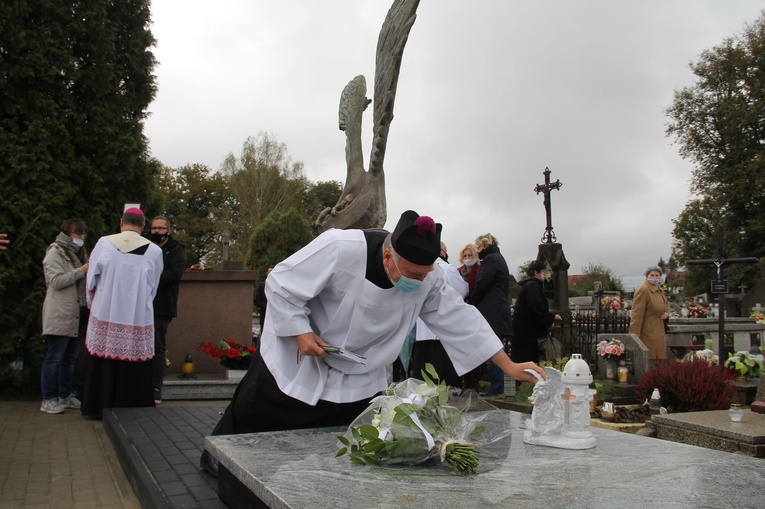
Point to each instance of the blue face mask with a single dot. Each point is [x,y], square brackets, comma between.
[405,284]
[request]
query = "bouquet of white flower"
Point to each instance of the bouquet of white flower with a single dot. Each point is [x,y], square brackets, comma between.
[412,424]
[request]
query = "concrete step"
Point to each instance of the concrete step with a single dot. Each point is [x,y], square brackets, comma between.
[201,387]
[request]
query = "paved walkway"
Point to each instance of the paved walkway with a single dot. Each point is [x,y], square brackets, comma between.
[136,457]
[59,461]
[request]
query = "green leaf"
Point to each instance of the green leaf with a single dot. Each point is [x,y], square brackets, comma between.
[341,452]
[372,460]
[431,370]
[343,440]
[368,432]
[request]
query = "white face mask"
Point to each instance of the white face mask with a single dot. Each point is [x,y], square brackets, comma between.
[468,262]
[77,242]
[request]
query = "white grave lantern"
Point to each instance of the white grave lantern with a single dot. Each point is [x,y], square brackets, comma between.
[561,415]
[576,381]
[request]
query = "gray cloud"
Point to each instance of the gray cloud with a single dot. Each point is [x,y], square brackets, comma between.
[490,93]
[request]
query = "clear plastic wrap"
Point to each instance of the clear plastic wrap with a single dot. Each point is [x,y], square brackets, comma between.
[414,423]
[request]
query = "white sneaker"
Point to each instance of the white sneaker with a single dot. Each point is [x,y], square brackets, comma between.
[70,402]
[51,406]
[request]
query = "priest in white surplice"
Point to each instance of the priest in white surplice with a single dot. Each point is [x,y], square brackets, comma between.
[122,280]
[362,291]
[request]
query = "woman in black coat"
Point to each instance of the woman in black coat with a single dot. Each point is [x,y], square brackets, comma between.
[489,295]
[532,319]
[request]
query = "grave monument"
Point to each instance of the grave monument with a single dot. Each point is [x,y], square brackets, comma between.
[551,252]
[362,202]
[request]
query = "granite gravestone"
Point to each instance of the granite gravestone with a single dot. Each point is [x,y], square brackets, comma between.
[636,355]
[298,469]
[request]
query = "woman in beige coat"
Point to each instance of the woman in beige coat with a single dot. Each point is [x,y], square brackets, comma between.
[65,266]
[649,310]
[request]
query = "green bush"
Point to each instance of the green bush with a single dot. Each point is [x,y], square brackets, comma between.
[524,392]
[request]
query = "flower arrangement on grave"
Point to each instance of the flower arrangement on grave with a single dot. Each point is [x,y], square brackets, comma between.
[611,350]
[412,423]
[758,317]
[741,364]
[702,355]
[232,354]
[614,303]
[697,310]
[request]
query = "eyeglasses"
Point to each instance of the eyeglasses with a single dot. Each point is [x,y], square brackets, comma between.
[158,228]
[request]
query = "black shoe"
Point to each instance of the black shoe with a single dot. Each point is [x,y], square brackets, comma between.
[209,464]
[157,396]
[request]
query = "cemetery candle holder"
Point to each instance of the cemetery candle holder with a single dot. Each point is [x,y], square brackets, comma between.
[561,414]
[623,372]
[736,413]
[576,391]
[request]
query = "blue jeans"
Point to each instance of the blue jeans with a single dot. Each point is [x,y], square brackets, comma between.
[58,366]
[497,380]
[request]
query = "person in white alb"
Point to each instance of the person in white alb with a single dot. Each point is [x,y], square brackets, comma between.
[427,348]
[122,281]
[361,291]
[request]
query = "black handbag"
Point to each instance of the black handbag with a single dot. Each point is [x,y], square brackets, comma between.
[550,348]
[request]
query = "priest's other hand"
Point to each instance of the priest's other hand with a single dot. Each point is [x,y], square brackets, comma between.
[310,344]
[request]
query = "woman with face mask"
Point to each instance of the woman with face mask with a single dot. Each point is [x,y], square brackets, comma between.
[469,265]
[65,266]
[649,310]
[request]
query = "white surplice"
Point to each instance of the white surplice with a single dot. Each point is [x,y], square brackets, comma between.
[120,293]
[322,289]
[453,279]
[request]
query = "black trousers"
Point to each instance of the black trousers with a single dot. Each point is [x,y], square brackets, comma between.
[158,363]
[433,352]
[259,405]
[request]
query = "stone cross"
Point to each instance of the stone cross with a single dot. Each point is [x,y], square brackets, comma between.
[758,308]
[549,236]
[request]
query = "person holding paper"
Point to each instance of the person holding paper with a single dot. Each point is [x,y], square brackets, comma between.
[361,291]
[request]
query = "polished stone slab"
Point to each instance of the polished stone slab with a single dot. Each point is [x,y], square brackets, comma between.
[714,430]
[297,469]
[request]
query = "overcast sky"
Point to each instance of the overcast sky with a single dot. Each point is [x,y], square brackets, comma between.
[490,93]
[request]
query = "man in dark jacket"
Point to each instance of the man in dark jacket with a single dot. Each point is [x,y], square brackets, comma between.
[490,296]
[532,319]
[166,300]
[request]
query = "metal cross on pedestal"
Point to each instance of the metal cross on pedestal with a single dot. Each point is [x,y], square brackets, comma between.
[720,286]
[549,236]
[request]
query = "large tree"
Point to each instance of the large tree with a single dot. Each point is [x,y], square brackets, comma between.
[280,235]
[75,82]
[199,204]
[263,179]
[719,123]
